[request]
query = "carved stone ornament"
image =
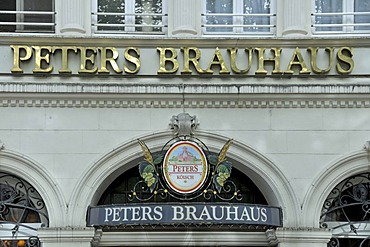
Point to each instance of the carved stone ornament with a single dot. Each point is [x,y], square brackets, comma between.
[366,148]
[183,124]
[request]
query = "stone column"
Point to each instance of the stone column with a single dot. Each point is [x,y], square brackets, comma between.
[184,17]
[71,237]
[72,16]
[296,17]
[302,237]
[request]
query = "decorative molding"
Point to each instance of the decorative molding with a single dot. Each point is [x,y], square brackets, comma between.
[366,148]
[329,177]
[174,93]
[185,238]
[19,164]
[67,235]
[304,41]
[271,237]
[183,124]
[302,235]
[176,102]
[268,176]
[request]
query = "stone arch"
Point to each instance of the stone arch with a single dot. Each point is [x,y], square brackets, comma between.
[263,172]
[22,166]
[320,189]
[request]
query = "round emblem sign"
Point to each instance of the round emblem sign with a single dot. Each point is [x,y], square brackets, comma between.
[185,167]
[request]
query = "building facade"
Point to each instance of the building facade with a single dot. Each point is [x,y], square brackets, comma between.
[93,91]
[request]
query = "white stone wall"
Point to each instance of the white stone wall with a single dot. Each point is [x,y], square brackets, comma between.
[69,136]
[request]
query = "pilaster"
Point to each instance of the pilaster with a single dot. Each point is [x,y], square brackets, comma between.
[71,237]
[302,237]
[72,19]
[296,20]
[184,17]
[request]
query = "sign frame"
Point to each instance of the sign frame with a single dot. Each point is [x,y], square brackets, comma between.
[185,167]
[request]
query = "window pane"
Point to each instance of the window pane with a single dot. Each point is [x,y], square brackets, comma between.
[111,6]
[32,20]
[130,15]
[328,6]
[42,6]
[256,7]
[219,7]
[149,7]
[362,6]
[8,5]
[20,202]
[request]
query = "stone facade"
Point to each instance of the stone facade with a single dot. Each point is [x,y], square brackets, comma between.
[296,136]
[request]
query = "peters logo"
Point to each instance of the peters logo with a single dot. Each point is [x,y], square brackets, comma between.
[185,167]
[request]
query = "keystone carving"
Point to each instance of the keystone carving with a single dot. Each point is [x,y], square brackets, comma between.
[183,124]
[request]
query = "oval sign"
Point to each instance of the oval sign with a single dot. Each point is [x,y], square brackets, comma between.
[185,167]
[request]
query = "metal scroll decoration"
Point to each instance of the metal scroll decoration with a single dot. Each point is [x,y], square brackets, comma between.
[30,242]
[213,182]
[20,204]
[347,208]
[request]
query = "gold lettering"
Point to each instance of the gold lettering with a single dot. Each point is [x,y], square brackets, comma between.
[234,67]
[17,57]
[275,59]
[87,61]
[164,60]
[314,67]
[39,59]
[194,60]
[297,59]
[218,60]
[112,60]
[345,63]
[64,49]
[132,60]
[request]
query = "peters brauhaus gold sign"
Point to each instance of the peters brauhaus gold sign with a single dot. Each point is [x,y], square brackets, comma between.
[182,61]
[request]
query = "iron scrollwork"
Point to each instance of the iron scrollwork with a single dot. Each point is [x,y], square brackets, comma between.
[30,242]
[346,208]
[217,186]
[20,205]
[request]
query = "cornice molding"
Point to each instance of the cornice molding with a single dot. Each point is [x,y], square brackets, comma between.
[145,41]
[180,95]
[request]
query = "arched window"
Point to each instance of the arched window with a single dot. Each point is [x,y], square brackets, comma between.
[120,190]
[129,16]
[128,189]
[22,211]
[346,212]
[341,16]
[27,16]
[253,17]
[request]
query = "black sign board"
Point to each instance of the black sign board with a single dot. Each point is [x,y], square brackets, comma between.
[184,213]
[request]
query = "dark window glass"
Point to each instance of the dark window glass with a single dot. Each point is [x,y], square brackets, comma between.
[118,192]
[39,19]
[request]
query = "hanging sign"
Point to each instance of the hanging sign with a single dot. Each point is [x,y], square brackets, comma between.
[184,213]
[185,167]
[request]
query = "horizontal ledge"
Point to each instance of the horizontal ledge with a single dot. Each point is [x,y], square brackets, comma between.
[178,87]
